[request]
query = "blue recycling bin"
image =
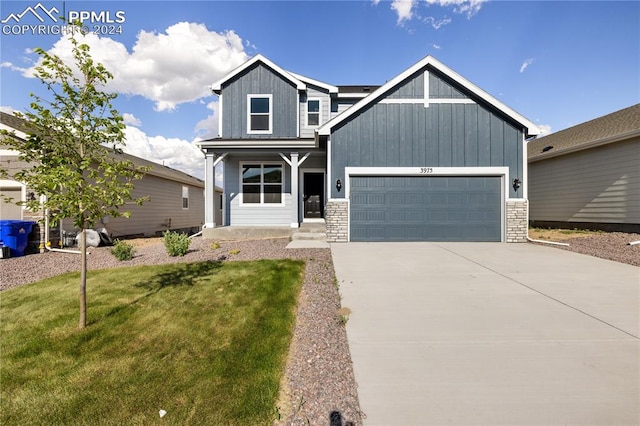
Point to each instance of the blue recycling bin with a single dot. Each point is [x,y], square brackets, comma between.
[15,235]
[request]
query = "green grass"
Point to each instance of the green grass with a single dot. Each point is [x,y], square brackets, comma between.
[205,342]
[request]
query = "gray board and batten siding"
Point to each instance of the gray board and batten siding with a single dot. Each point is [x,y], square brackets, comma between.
[390,134]
[259,80]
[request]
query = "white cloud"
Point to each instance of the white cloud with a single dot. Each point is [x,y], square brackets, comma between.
[526,64]
[407,9]
[168,68]
[467,7]
[404,9]
[131,120]
[545,129]
[437,24]
[208,128]
[436,46]
[176,153]
[7,109]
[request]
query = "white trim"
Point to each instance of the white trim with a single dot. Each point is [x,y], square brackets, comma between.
[219,159]
[261,204]
[217,86]
[304,158]
[185,190]
[298,115]
[423,171]
[16,132]
[525,173]
[531,128]
[9,153]
[261,143]
[328,185]
[426,88]
[220,115]
[328,87]
[251,96]
[306,115]
[426,102]
[348,95]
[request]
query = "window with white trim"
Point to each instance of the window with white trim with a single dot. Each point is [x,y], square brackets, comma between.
[259,114]
[262,183]
[185,197]
[313,112]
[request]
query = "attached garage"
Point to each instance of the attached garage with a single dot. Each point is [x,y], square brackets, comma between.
[426,208]
[428,156]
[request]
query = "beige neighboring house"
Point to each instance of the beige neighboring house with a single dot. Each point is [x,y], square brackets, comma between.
[176,199]
[588,176]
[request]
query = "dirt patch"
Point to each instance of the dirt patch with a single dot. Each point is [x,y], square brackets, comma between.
[560,234]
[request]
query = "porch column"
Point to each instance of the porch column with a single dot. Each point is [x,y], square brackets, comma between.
[295,197]
[209,191]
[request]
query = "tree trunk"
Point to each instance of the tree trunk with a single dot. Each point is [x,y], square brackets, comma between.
[83,279]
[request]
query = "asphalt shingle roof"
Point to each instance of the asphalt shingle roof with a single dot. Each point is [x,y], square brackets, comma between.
[612,127]
[158,170]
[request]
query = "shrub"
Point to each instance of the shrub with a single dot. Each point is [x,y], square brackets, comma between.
[176,244]
[123,251]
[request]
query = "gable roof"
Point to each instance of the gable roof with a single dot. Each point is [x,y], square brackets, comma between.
[217,86]
[530,127]
[619,125]
[329,87]
[11,122]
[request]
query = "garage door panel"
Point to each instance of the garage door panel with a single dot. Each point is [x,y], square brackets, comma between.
[441,208]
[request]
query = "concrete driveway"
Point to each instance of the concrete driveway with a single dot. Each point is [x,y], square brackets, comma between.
[491,333]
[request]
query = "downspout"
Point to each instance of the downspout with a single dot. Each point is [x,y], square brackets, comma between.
[548,242]
[633,243]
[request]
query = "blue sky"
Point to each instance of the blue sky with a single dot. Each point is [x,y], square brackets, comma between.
[556,63]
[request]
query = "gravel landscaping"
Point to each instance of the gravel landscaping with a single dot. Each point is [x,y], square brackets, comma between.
[319,385]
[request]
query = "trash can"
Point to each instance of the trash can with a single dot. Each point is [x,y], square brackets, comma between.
[15,235]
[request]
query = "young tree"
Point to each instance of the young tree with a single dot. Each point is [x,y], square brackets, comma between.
[74,143]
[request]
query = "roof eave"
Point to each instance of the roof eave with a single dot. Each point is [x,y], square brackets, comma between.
[217,86]
[588,145]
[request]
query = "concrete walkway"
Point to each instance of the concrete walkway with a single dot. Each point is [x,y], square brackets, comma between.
[491,333]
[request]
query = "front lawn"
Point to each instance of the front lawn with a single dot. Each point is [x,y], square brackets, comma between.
[205,342]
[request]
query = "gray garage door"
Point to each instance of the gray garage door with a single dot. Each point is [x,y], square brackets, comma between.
[437,208]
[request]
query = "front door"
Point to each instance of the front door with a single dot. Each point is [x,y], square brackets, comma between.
[313,195]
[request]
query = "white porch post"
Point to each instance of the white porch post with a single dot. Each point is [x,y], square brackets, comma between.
[295,197]
[209,191]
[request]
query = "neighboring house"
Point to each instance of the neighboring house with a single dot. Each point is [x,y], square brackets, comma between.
[428,156]
[588,176]
[176,199]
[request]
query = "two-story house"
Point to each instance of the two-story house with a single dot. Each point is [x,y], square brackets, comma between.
[428,156]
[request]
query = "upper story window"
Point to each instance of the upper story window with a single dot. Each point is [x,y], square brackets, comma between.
[313,112]
[259,114]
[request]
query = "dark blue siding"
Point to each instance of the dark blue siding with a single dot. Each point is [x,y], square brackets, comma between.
[259,79]
[442,135]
